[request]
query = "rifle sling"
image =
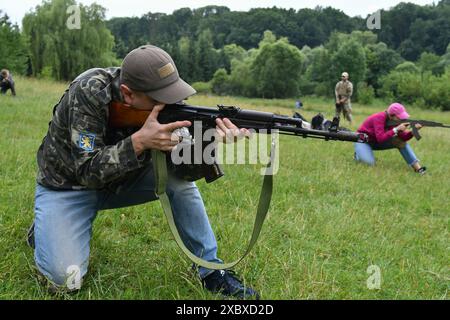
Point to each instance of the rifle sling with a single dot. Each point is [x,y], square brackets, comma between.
[160,171]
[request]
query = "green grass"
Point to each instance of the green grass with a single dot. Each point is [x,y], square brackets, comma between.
[330,218]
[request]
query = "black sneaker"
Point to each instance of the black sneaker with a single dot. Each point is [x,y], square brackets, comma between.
[422,171]
[30,236]
[226,283]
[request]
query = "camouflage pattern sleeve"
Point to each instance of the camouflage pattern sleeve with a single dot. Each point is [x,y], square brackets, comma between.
[336,91]
[350,89]
[97,164]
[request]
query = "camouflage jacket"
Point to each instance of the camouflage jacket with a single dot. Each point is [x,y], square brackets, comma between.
[80,151]
[344,89]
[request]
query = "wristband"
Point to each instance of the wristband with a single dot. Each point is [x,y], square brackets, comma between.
[395,131]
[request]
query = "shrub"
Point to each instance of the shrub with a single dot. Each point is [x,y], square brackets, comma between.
[427,91]
[404,87]
[306,86]
[202,87]
[407,66]
[436,92]
[46,73]
[220,83]
[323,90]
[410,87]
[366,94]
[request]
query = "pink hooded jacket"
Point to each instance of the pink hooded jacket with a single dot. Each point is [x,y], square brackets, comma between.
[375,127]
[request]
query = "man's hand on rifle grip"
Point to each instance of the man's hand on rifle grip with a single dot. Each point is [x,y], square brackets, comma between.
[154,135]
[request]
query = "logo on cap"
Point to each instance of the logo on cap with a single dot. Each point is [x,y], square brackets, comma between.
[166,71]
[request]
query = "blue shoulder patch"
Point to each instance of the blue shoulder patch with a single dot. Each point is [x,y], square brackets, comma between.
[86,141]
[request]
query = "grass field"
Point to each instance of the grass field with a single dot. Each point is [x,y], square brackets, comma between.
[330,218]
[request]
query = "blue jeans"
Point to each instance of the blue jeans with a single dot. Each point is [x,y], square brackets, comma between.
[364,152]
[63,223]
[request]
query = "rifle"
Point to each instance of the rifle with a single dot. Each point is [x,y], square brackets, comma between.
[122,116]
[412,123]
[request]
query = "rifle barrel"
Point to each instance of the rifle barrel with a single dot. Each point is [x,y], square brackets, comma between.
[425,123]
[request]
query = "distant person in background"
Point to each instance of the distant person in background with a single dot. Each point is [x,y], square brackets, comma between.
[298,104]
[343,93]
[382,137]
[6,82]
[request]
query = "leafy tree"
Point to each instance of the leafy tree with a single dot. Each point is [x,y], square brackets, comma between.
[129,33]
[407,28]
[422,90]
[399,19]
[231,52]
[206,56]
[319,69]
[366,93]
[276,68]
[242,80]
[316,78]
[304,27]
[13,52]
[202,87]
[408,67]
[436,91]
[430,62]
[62,51]
[220,83]
[445,59]
[380,61]
[337,39]
[185,62]
[365,38]
[351,58]
[403,87]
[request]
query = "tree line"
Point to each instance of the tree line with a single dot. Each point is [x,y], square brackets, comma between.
[271,52]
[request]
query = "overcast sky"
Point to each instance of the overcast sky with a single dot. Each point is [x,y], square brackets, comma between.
[16,9]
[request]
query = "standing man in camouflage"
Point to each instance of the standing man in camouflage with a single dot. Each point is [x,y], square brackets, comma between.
[86,166]
[343,93]
[7,82]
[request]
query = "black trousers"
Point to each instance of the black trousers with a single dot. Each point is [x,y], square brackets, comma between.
[5,86]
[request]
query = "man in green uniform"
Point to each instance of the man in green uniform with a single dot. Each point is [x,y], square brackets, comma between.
[343,93]
[85,166]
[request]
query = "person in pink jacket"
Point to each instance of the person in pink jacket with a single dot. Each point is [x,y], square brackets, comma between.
[382,137]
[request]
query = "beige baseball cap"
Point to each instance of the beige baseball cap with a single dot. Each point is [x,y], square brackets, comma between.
[344,74]
[151,70]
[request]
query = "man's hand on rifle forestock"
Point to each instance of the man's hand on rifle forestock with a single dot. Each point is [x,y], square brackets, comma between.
[227,132]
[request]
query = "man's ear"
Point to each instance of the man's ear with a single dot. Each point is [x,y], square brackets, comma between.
[127,94]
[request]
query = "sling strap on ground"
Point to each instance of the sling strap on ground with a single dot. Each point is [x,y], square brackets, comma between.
[161,175]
